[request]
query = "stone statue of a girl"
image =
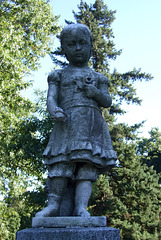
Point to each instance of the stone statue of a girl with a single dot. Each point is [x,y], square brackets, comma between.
[80,145]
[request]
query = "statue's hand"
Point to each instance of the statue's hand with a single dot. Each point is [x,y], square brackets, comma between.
[59,115]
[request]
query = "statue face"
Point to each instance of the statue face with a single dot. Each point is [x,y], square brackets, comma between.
[77,46]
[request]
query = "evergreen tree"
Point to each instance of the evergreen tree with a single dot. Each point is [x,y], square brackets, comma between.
[130,197]
[149,149]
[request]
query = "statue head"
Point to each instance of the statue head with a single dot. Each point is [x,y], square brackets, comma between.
[76,43]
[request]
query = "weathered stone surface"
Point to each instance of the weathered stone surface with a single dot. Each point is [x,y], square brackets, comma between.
[80,145]
[77,233]
[56,222]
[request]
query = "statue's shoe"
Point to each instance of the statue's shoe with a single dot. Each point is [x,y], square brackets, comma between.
[48,211]
[81,212]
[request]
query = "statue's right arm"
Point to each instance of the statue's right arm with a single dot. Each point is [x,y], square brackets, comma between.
[52,97]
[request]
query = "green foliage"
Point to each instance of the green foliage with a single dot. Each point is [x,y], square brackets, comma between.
[24,167]
[101,198]
[32,202]
[9,222]
[130,198]
[129,195]
[26,28]
[27,31]
[137,201]
[26,205]
[122,88]
[149,149]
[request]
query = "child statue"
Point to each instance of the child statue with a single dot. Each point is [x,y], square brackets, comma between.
[80,145]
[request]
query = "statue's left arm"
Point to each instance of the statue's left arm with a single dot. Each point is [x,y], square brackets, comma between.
[100,93]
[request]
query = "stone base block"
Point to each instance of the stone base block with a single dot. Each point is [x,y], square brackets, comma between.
[71,233]
[52,222]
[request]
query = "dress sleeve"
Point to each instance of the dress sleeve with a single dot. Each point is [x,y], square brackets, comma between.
[54,77]
[103,81]
[103,96]
[53,91]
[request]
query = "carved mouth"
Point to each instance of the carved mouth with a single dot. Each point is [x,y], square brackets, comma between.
[78,55]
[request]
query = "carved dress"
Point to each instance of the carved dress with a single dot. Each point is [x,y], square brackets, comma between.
[84,136]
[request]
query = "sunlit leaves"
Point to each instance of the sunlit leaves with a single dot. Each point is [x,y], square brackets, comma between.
[27,31]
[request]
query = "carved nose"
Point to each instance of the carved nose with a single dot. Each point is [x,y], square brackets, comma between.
[78,47]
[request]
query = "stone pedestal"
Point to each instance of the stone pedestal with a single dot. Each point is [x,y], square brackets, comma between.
[61,222]
[69,233]
[69,228]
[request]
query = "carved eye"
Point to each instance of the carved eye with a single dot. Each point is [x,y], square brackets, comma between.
[71,44]
[83,41]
